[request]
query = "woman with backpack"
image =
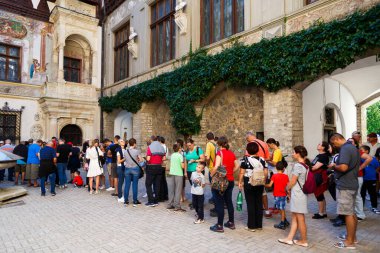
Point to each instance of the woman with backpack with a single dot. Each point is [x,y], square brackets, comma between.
[298,199]
[223,183]
[319,169]
[253,168]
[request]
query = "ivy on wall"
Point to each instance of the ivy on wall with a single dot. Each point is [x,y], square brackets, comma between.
[270,64]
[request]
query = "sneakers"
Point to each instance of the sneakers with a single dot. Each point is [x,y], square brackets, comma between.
[170,207]
[43,194]
[126,202]
[121,200]
[199,221]
[110,189]
[229,225]
[249,229]
[179,210]
[136,203]
[286,223]
[374,210]
[145,195]
[102,187]
[114,194]
[53,194]
[150,204]
[318,216]
[281,225]
[267,214]
[217,228]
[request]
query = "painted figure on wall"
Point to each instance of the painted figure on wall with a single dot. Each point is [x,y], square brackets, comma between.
[12,28]
[35,68]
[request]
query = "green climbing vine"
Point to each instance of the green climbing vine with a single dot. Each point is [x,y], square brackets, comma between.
[270,64]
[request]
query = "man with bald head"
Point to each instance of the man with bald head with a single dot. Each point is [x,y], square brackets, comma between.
[48,161]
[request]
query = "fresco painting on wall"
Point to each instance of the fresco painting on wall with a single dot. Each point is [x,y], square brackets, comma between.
[12,28]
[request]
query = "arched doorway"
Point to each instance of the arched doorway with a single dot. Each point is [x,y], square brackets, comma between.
[124,125]
[72,133]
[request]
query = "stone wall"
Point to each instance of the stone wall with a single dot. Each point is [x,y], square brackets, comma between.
[231,113]
[283,118]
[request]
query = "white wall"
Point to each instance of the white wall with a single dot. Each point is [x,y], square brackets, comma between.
[123,123]
[27,116]
[315,97]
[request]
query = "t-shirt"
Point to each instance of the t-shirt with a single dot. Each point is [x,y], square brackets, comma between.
[373,148]
[33,150]
[263,149]
[113,149]
[154,159]
[135,153]
[47,153]
[63,150]
[280,180]
[350,156]
[277,155]
[78,180]
[192,155]
[176,161]
[370,172]
[228,161]
[322,158]
[245,164]
[198,180]
[120,152]
[300,171]
[211,153]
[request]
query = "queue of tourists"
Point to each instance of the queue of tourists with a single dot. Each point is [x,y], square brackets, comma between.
[345,168]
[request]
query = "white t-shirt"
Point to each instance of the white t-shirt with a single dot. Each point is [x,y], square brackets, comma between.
[198,180]
[118,155]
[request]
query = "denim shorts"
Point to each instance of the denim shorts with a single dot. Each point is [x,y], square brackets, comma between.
[280,202]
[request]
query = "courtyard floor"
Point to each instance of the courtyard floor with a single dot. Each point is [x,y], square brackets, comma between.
[74,221]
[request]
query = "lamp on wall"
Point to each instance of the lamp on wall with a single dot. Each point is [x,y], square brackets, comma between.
[132,45]
[180,17]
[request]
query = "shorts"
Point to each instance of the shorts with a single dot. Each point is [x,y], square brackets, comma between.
[109,168]
[280,202]
[20,168]
[32,171]
[114,170]
[345,202]
[265,192]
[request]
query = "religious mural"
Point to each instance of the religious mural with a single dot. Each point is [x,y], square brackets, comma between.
[12,28]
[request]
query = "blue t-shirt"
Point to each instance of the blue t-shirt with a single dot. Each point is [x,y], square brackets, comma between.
[108,159]
[47,153]
[370,171]
[32,154]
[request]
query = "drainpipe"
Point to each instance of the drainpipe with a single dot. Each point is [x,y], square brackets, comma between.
[102,70]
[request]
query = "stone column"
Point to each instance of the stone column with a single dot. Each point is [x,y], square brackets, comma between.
[283,118]
[94,70]
[52,128]
[60,63]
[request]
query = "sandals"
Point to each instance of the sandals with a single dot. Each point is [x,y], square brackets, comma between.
[296,242]
[341,245]
[290,242]
[343,237]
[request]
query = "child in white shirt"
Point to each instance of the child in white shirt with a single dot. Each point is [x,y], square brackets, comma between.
[197,191]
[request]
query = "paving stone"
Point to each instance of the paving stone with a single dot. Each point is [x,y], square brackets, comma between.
[75,221]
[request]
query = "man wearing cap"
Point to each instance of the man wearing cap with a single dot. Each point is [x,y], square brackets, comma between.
[372,143]
[357,137]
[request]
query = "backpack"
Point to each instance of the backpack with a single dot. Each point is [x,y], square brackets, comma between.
[258,177]
[310,186]
[284,162]
[219,181]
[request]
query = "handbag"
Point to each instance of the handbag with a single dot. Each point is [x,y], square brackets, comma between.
[219,181]
[141,169]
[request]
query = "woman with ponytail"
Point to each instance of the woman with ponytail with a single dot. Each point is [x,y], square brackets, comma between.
[298,200]
[319,169]
[276,155]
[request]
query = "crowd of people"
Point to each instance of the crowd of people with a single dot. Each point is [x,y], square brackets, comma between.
[345,168]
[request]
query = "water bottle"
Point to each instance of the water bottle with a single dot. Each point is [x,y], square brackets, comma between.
[239,202]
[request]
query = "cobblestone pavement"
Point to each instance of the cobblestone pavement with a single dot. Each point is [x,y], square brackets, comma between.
[74,221]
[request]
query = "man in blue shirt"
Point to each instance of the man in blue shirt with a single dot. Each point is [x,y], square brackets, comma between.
[32,163]
[48,161]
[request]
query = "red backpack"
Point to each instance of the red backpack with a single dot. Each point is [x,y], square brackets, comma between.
[310,186]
